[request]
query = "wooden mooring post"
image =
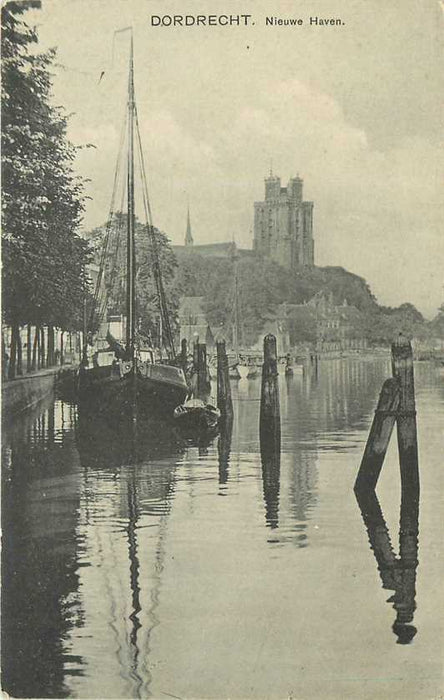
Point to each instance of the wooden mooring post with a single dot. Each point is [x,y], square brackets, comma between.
[224,401]
[184,354]
[195,355]
[396,403]
[402,369]
[379,437]
[202,381]
[270,420]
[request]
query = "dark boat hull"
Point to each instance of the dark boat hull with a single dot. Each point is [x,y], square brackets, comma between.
[106,392]
[197,427]
[199,419]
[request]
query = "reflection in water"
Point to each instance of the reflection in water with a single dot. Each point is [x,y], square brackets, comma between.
[134,567]
[321,410]
[397,573]
[224,448]
[121,562]
[61,469]
[140,457]
[271,467]
[108,441]
[40,604]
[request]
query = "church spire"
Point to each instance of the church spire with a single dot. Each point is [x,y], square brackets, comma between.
[188,235]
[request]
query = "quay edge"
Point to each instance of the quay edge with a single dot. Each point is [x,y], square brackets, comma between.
[23,392]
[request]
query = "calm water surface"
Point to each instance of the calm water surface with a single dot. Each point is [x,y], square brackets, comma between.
[169,570]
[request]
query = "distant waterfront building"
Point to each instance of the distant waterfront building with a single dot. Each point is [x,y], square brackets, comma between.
[193,322]
[331,327]
[283,224]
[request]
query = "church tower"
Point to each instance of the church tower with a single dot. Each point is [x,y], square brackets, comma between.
[283,224]
[188,235]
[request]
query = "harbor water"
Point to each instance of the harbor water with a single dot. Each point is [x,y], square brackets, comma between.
[143,565]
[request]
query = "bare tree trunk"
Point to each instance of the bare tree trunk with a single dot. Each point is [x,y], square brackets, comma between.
[5,359]
[12,354]
[50,344]
[62,359]
[34,349]
[42,348]
[28,349]
[19,352]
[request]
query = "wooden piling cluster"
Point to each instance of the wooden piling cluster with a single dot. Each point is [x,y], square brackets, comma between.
[396,403]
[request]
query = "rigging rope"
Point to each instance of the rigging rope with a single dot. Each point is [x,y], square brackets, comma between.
[100,293]
[156,263]
[114,279]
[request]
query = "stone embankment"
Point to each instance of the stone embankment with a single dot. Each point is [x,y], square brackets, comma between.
[23,392]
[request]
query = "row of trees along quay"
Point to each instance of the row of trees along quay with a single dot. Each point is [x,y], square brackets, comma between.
[44,259]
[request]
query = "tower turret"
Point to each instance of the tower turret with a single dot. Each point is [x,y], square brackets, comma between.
[272,187]
[295,189]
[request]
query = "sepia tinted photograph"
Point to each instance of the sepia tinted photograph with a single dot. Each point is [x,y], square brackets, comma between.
[222,349]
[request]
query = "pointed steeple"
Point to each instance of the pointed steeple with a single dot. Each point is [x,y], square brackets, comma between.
[188,235]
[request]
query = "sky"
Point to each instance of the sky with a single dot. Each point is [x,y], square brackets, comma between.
[355,110]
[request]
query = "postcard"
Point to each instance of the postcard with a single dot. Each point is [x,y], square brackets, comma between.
[222,349]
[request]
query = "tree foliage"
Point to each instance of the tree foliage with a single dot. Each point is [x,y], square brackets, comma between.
[437,324]
[43,256]
[264,285]
[147,301]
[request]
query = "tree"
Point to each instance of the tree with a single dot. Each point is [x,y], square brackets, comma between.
[302,325]
[436,326]
[43,256]
[147,300]
[340,282]
[263,286]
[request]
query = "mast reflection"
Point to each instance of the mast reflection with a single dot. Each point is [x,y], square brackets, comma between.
[134,570]
[104,440]
[139,458]
[397,573]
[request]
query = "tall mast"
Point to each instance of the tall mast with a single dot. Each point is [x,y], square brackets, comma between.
[131,244]
[236,305]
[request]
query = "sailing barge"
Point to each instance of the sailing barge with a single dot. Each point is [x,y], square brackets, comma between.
[129,376]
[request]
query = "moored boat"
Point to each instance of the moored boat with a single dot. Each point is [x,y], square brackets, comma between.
[122,373]
[243,370]
[150,387]
[197,415]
